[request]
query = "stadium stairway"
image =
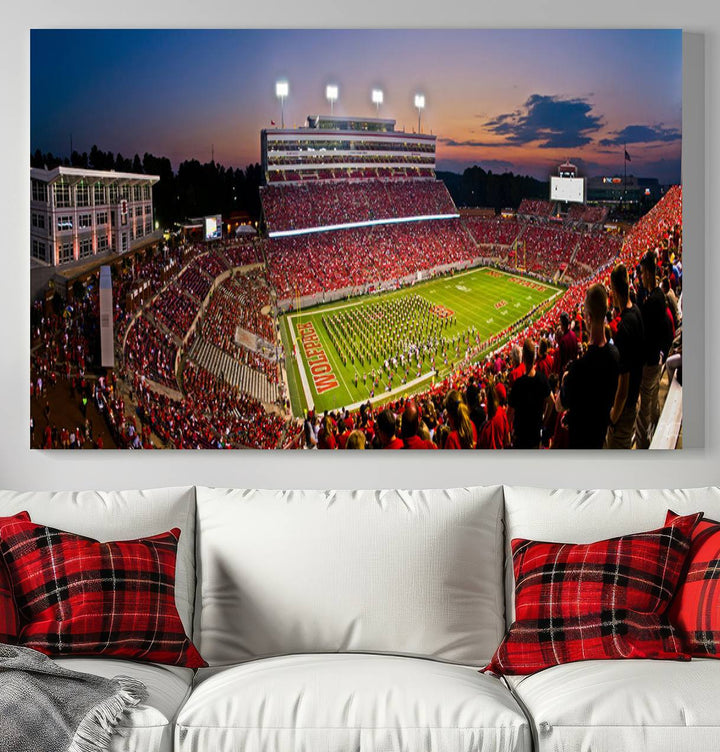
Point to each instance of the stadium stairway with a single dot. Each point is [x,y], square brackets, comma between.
[227,369]
[572,258]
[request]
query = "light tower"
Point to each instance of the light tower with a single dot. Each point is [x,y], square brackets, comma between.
[377,98]
[420,105]
[281,91]
[331,94]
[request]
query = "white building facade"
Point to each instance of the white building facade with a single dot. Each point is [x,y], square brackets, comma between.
[76,213]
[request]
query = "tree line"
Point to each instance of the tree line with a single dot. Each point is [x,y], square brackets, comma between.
[476,187]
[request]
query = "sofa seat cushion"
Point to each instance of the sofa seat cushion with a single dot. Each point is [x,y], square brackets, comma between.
[606,706]
[149,727]
[350,703]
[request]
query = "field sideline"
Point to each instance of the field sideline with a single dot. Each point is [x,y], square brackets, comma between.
[482,302]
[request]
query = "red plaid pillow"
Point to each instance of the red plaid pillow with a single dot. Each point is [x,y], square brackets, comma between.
[695,610]
[594,601]
[8,612]
[77,596]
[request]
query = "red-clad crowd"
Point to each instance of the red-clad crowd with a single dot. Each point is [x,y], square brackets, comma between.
[242,253]
[151,353]
[358,258]
[193,281]
[493,231]
[594,251]
[176,310]
[546,248]
[535,208]
[323,203]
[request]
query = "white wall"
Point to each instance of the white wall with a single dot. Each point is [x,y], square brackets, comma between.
[22,468]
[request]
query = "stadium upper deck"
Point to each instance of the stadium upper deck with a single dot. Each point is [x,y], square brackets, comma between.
[332,147]
[338,172]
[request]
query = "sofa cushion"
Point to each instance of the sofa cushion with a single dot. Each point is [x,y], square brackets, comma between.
[599,600]
[571,516]
[338,703]
[400,572]
[121,515]
[76,596]
[695,610]
[9,624]
[607,706]
[150,726]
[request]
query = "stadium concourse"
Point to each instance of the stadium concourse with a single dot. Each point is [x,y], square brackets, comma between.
[200,361]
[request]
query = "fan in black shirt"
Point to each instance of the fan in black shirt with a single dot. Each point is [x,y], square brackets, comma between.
[527,402]
[588,389]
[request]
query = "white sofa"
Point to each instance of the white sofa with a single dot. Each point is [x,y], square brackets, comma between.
[341,621]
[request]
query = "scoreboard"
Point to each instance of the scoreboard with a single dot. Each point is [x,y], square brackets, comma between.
[571,190]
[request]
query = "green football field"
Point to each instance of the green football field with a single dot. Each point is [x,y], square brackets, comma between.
[382,345]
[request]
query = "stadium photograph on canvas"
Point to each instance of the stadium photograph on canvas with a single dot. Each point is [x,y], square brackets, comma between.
[356,239]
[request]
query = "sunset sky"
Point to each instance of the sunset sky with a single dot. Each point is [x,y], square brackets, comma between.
[520,100]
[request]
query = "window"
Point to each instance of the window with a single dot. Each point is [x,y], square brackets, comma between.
[65,253]
[99,194]
[64,223]
[85,247]
[125,192]
[85,221]
[38,220]
[102,243]
[123,242]
[38,250]
[139,230]
[39,191]
[148,210]
[113,194]
[62,196]
[137,193]
[82,194]
[101,218]
[146,192]
[148,227]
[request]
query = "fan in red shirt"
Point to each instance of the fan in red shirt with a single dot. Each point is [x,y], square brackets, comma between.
[495,432]
[544,362]
[410,428]
[386,429]
[326,435]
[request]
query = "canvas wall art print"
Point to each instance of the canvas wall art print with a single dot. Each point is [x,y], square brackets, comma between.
[356,239]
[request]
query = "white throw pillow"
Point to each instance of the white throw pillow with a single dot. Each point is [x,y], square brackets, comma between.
[397,572]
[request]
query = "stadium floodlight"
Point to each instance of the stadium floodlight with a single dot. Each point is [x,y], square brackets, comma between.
[377,98]
[281,91]
[331,94]
[420,104]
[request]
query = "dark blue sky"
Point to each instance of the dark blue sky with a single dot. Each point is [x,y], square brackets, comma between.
[505,99]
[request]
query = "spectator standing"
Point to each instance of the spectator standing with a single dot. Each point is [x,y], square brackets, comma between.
[567,345]
[590,384]
[527,402]
[658,338]
[495,432]
[629,340]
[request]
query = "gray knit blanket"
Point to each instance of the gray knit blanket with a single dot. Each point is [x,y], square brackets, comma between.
[47,708]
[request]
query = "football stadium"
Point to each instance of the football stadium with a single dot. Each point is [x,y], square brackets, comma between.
[368,311]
